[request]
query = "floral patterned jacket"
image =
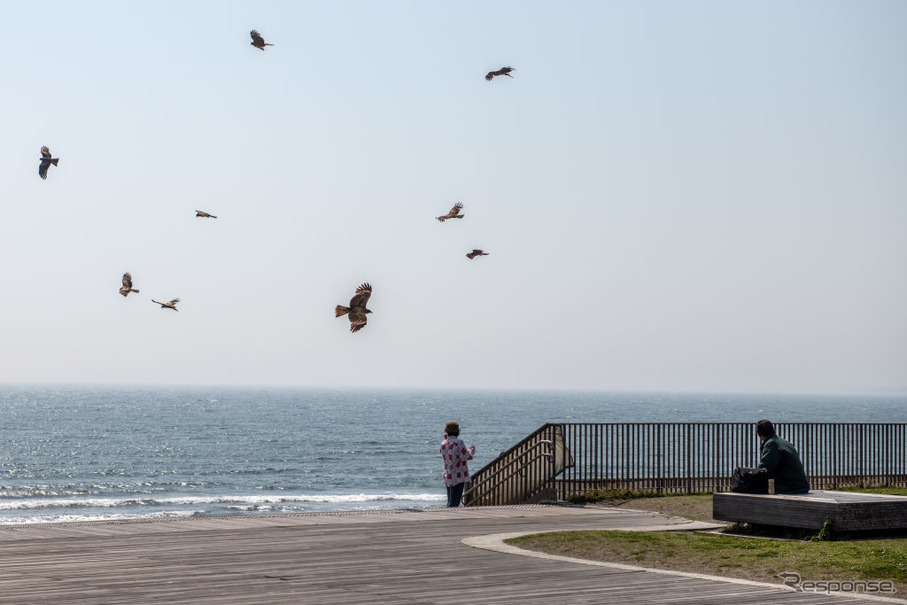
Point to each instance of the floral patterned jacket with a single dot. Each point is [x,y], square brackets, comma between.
[455,454]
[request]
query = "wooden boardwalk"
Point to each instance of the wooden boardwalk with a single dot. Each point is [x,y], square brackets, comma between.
[380,557]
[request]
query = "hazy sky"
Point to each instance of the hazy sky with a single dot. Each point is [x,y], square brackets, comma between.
[696,196]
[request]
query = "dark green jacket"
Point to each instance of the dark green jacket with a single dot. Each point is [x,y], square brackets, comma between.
[781,460]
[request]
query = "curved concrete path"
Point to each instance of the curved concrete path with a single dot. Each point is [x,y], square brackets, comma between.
[497,543]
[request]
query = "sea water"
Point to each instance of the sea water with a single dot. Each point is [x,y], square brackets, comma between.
[76,453]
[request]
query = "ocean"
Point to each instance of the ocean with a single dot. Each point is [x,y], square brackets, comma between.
[79,453]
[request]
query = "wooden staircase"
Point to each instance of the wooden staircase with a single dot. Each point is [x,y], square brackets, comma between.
[524,474]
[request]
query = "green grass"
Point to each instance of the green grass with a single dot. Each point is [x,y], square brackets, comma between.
[815,556]
[733,556]
[599,495]
[874,489]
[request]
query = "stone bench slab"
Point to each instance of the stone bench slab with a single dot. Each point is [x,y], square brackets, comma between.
[847,511]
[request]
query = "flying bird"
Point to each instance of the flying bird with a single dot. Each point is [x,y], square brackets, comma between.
[257,40]
[356,310]
[167,305]
[476,252]
[46,161]
[504,71]
[203,214]
[127,285]
[454,213]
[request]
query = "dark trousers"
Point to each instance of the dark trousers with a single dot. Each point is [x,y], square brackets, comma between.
[454,493]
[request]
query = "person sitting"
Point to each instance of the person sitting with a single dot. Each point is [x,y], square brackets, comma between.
[781,460]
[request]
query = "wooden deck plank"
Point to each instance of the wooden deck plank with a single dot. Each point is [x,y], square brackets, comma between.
[388,557]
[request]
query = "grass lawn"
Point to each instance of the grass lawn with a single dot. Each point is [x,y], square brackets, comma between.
[733,556]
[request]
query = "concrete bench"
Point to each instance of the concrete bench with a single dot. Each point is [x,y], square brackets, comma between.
[847,511]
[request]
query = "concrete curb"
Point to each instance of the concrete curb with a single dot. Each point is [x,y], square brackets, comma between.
[495,543]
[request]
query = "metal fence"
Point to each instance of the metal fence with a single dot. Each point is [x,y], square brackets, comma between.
[688,458]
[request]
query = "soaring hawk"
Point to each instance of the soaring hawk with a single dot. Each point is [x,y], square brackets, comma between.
[127,285]
[356,310]
[504,71]
[454,213]
[257,40]
[46,161]
[167,305]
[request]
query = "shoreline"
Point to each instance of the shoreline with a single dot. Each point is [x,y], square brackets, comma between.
[369,503]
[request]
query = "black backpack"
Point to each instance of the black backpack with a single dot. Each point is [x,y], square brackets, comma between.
[749,480]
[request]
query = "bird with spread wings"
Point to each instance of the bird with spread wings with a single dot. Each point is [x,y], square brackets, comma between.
[46,161]
[476,252]
[258,41]
[203,214]
[504,71]
[167,305]
[454,213]
[357,311]
[127,285]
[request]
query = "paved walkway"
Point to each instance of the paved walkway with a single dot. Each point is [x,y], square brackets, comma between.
[381,557]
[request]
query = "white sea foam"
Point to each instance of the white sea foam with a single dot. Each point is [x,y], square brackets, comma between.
[235,500]
[94,517]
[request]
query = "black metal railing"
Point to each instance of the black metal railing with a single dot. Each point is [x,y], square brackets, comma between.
[683,458]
